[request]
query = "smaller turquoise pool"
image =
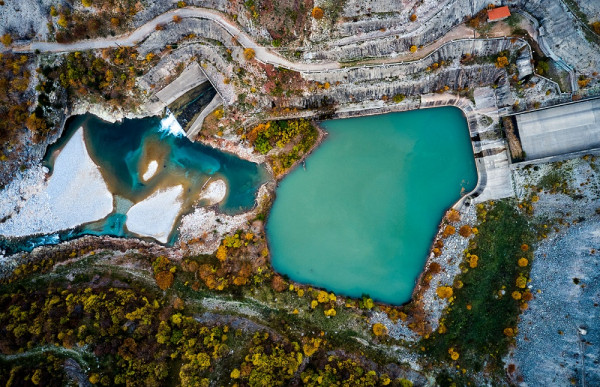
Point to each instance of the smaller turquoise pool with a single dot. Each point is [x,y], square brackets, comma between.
[123,152]
[361,218]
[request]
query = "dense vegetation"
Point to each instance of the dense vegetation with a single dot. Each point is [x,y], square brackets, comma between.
[295,138]
[103,18]
[286,20]
[108,78]
[229,319]
[88,320]
[15,77]
[487,297]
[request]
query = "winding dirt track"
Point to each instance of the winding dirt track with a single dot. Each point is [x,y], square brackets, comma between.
[262,54]
[133,38]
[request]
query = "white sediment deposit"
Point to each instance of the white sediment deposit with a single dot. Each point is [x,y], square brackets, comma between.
[151,171]
[155,216]
[74,194]
[214,192]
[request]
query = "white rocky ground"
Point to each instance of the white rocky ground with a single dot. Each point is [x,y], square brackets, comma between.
[210,226]
[74,194]
[155,216]
[210,223]
[550,350]
[25,18]
[214,192]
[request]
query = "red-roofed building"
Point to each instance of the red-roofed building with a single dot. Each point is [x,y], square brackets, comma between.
[499,13]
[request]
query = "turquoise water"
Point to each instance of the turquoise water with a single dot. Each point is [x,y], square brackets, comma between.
[362,216]
[122,152]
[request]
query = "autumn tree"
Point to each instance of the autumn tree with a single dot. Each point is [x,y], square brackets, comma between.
[86,3]
[413,17]
[413,48]
[473,261]
[317,13]
[164,279]
[449,230]
[222,253]
[379,329]
[249,53]
[7,39]
[63,20]
[454,355]
[502,62]
[453,215]
[36,124]
[465,231]
[444,292]
[177,19]
[278,283]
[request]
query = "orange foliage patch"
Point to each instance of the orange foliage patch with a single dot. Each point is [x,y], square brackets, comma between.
[435,268]
[279,284]
[379,329]
[317,13]
[473,261]
[164,279]
[249,54]
[453,215]
[502,62]
[449,230]
[222,253]
[444,292]
[6,39]
[465,231]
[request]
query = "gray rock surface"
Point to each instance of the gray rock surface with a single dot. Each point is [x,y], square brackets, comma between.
[549,349]
[563,34]
[25,19]
[384,34]
[591,8]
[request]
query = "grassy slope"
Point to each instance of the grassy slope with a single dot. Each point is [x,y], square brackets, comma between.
[477,334]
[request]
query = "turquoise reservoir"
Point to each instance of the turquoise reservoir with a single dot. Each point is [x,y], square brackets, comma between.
[362,216]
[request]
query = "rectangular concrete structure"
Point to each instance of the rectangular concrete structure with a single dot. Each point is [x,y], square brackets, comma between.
[191,77]
[559,130]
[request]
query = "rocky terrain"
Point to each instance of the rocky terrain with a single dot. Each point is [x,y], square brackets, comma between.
[558,332]
[351,58]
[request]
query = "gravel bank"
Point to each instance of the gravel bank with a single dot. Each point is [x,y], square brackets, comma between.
[214,192]
[156,215]
[202,230]
[74,194]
